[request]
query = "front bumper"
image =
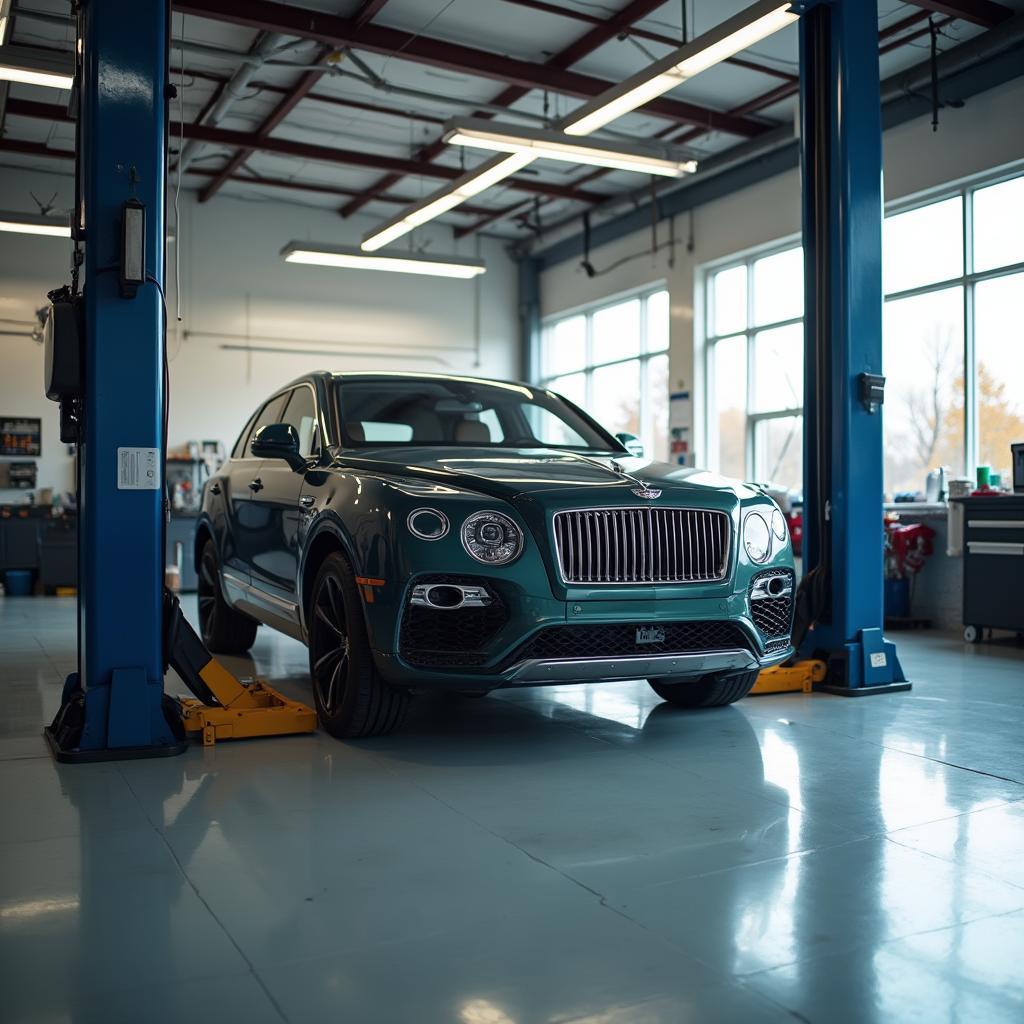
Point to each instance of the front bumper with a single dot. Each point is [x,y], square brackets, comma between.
[523,640]
[534,672]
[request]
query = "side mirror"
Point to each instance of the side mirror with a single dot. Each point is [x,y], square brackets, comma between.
[631,443]
[278,441]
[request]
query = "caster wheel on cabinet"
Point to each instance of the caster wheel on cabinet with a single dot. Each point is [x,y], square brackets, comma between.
[972,634]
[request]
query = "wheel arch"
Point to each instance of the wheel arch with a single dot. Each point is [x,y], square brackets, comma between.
[204,533]
[329,538]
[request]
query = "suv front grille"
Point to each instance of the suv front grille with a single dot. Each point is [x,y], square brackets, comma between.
[642,545]
[617,640]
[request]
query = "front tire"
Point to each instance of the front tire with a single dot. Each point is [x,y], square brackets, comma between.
[224,631]
[352,699]
[709,692]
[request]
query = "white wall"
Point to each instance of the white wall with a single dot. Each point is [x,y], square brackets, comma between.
[234,287]
[986,133]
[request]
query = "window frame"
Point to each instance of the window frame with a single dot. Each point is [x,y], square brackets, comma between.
[968,280]
[749,333]
[643,357]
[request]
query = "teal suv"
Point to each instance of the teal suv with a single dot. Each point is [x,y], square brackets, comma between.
[427,531]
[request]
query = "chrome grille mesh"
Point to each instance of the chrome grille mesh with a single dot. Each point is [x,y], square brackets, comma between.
[642,545]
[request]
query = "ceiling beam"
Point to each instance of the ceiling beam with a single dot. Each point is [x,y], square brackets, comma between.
[340,32]
[369,11]
[642,33]
[291,100]
[979,12]
[604,31]
[40,149]
[308,151]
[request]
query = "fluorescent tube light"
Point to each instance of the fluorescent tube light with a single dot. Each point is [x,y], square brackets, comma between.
[733,35]
[35,224]
[5,18]
[446,198]
[30,66]
[479,133]
[393,262]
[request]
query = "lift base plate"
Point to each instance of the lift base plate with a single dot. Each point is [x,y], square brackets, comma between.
[70,756]
[864,691]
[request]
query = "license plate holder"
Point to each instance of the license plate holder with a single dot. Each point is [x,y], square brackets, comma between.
[649,635]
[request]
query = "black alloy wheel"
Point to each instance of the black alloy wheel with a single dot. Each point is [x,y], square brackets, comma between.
[352,698]
[224,631]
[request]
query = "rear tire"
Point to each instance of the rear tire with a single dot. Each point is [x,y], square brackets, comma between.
[352,699]
[709,692]
[224,631]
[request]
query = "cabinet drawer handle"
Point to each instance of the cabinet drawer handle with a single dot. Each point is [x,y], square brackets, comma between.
[996,524]
[994,547]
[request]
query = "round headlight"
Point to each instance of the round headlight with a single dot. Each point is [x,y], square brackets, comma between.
[779,525]
[757,538]
[492,538]
[427,523]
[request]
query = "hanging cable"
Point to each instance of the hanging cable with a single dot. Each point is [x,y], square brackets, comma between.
[933,33]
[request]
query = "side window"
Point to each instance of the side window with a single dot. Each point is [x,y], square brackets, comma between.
[490,420]
[301,414]
[270,413]
[238,452]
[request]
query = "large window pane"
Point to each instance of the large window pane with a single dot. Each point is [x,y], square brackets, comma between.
[657,322]
[729,301]
[616,332]
[999,352]
[778,368]
[615,397]
[924,402]
[656,431]
[779,287]
[923,246]
[779,451]
[573,386]
[566,346]
[729,373]
[999,225]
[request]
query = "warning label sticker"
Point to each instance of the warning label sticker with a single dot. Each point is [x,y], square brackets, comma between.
[138,469]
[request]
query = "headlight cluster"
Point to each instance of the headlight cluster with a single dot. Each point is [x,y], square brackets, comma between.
[763,532]
[490,537]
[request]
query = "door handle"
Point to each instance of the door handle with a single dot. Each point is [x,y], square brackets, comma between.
[256,485]
[215,489]
[307,500]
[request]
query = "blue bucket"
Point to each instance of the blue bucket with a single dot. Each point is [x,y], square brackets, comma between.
[18,582]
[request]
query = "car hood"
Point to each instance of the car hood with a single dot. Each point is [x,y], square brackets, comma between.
[515,473]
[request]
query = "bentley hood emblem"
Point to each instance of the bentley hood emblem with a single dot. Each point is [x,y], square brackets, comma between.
[644,491]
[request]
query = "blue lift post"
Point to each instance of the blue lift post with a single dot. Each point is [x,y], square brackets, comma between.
[841,165]
[122,160]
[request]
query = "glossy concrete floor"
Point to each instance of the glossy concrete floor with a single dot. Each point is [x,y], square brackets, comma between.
[561,855]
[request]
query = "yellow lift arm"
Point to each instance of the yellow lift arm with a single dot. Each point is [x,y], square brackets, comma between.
[223,707]
[797,678]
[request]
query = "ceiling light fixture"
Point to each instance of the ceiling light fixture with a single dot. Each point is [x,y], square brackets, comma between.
[347,258]
[479,133]
[30,66]
[35,224]
[734,34]
[5,19]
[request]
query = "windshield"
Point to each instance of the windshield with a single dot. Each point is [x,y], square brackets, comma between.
[440,411]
